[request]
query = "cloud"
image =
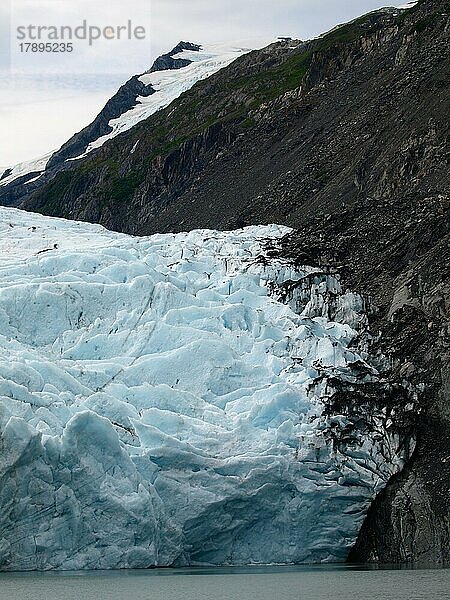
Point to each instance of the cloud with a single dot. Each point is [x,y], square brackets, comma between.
[104,56]
[168,22]
[231,19]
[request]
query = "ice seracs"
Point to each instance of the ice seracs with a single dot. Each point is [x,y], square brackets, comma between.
[160,404]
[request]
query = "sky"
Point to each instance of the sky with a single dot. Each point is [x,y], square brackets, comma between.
[45,97]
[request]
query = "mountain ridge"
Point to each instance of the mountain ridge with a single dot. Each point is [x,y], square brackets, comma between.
[159,174]
[345,139]
[138,98]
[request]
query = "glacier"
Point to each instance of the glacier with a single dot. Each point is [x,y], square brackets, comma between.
[162,403]
[37,166]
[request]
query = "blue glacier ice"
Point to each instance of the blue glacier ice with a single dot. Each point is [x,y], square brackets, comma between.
[161,405]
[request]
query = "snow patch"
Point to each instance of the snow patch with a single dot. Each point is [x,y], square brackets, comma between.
[408,5]
[33,166]
[170,84]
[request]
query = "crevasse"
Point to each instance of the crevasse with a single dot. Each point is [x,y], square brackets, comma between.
[160,405]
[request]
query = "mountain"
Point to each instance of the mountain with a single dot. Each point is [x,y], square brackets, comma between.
[163,404]
[279,129]
[344,139]
[135,101]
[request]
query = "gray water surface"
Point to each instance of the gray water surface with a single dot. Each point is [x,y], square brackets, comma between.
[269,583]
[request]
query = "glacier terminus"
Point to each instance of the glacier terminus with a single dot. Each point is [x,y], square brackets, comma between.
[163,403]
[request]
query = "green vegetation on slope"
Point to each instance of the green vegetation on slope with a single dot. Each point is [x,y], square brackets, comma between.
[231,96]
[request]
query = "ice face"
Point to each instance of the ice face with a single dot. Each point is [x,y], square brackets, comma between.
[159,403]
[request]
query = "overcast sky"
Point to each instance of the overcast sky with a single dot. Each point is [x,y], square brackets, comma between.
[45,98]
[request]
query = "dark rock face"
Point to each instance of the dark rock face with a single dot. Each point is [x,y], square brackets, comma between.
[13,193]
[5,174]
[125,99]
[120,103]
[406,273]
[344,139]
[166,61]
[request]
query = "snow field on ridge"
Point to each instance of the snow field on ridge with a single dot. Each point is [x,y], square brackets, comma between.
[169,85]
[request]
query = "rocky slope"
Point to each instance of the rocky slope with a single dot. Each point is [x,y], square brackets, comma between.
[141,96]
[345,139]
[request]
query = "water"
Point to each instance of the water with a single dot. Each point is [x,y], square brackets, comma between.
[268,583]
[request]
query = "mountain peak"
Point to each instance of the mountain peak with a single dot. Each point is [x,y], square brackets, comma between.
[185,46]
[168,62]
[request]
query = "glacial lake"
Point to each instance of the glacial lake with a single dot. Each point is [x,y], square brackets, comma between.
[258,583]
